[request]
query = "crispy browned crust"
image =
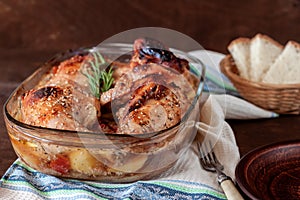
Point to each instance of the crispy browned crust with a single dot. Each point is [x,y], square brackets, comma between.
[267,38]
[239,40]
[294,43]
[41,106]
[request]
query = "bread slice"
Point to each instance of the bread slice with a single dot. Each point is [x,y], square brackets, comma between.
[286,68]
[263,52]
[240,50]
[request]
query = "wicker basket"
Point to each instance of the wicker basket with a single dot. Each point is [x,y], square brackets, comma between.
[279,98]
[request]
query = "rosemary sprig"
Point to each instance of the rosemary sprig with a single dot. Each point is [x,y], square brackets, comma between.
[99,80]
[106,80]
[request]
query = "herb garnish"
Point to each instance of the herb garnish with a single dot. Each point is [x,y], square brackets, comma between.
[99,80]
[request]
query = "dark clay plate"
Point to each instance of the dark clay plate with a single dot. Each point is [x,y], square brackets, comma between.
[271,172]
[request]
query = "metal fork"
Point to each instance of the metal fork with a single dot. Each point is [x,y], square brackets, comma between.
[209,162]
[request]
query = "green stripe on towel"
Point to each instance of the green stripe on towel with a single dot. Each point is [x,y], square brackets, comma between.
[20,177]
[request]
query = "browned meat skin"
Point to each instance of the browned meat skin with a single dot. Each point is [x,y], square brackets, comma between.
[63,101]
[153,92]
[144,93]
[68,74]
[48,107]
[119,69]
[148,50]
[155,73]
[150,93]
[152,107]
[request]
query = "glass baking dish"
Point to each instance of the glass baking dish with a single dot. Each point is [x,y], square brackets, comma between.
[100,156]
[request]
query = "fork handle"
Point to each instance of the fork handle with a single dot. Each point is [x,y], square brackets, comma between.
[229,188]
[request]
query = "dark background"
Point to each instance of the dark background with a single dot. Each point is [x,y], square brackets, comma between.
[63,24]
[32,31]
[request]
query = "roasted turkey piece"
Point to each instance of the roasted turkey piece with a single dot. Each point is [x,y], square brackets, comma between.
[155,93]
[62,100]
[148,51]
[150,98]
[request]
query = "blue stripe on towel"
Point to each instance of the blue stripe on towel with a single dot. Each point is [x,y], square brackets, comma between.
[19,177]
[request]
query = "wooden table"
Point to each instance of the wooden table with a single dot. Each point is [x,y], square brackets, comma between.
[31,32]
